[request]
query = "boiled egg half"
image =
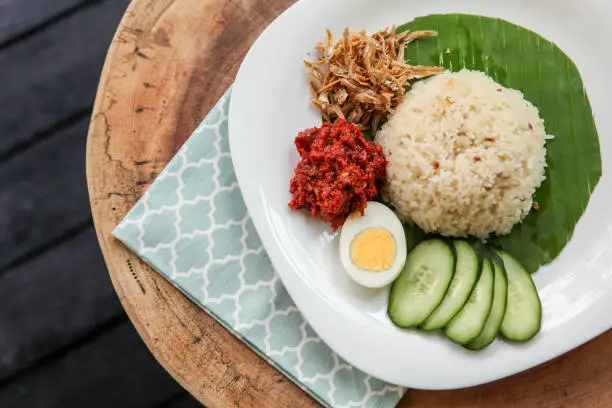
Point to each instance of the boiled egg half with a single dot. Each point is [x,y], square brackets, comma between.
[373,246]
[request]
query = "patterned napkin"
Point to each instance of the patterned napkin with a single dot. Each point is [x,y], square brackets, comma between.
[192,227]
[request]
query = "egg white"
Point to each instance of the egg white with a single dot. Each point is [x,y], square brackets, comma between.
[376,215]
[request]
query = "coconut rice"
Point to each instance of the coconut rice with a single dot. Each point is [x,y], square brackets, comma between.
[465,155]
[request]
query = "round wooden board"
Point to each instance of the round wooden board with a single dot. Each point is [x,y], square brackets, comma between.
[168,64]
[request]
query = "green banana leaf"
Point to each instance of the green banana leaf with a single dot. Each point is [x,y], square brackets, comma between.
[521,59]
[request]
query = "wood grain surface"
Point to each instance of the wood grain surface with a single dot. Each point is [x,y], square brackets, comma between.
[169,62]
[63,332]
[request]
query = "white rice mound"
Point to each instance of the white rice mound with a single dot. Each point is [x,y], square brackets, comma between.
[465,155]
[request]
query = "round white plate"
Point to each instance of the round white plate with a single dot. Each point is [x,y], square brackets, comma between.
[270,104]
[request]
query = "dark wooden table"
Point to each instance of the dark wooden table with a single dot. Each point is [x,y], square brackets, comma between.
[65,340]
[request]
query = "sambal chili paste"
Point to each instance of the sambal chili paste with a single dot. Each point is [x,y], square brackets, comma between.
[338,173]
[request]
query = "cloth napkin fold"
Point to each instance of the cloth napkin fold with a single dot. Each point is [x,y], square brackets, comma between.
[192,227]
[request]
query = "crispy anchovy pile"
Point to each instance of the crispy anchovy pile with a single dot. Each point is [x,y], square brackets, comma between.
[361,77]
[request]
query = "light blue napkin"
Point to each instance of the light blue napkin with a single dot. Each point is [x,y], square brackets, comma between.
[192,227]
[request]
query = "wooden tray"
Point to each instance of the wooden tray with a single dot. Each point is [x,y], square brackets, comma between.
[168,64]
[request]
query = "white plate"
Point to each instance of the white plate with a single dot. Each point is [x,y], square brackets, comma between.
[270,104]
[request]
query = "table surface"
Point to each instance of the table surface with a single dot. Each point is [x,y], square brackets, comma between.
[65,340]
[169,62]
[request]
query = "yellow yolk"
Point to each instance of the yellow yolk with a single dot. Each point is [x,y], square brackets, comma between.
[373,249]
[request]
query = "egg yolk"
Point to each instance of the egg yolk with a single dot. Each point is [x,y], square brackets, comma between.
[373,249]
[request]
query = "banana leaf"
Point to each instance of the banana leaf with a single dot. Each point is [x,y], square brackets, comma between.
[521,59]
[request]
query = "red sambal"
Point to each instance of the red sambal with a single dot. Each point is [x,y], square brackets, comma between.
[338,173]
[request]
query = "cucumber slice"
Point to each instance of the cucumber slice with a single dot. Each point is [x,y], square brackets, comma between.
[421,285]
[523,315]
[464,279]
[498,308]
[469,322]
